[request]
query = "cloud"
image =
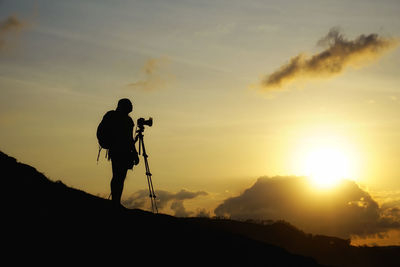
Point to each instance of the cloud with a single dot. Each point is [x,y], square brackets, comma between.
[346,211]
[9,26]
[140,199]
[203,213]
[338,54]
[389,203]
[156,76]
[179,209]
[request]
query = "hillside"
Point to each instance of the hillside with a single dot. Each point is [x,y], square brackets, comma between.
[48,222]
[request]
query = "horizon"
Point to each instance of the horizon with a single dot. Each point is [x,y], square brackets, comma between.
[245,97]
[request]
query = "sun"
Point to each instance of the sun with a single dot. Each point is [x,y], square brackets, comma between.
[327,166]
[326,159]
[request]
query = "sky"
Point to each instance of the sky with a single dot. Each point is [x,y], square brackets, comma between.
[240,91]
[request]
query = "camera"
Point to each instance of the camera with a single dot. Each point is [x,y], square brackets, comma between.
[142,122]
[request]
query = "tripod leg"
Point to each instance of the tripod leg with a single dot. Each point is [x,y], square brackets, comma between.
[151,188]
[152,195]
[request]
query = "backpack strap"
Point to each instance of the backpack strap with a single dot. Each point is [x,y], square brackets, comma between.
[98,155]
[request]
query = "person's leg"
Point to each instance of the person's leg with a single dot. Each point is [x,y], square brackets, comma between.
[117,182]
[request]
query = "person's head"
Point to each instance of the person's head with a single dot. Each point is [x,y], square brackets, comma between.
[124,105]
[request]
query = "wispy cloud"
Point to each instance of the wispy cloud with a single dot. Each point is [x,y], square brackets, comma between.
[8,26]
[338,54]
[155,75]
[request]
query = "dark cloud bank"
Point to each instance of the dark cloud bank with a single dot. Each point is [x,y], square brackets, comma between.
[346,211]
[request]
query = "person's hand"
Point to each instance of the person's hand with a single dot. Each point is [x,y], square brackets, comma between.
[136,159]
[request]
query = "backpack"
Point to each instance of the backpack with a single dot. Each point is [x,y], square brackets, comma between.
[105,132]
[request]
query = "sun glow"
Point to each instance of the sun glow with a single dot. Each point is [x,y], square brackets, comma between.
[326,167]
[326,161]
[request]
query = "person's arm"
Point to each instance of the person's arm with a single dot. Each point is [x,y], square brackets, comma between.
[131,139]
[133,142]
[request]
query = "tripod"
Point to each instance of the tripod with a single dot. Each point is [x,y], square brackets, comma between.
[142,149]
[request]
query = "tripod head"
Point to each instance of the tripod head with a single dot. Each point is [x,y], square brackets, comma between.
[141,122]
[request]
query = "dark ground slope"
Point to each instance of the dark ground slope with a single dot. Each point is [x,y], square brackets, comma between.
[325,250]
[46,222]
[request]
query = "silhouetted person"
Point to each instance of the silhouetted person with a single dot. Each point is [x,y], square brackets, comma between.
[121,148]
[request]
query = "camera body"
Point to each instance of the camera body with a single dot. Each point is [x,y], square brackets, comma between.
[141,122]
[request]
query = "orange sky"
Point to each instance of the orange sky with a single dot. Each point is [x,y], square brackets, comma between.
[197,69]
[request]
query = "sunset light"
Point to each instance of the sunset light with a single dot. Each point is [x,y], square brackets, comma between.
[327,166]
[241,112]
[326,158]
